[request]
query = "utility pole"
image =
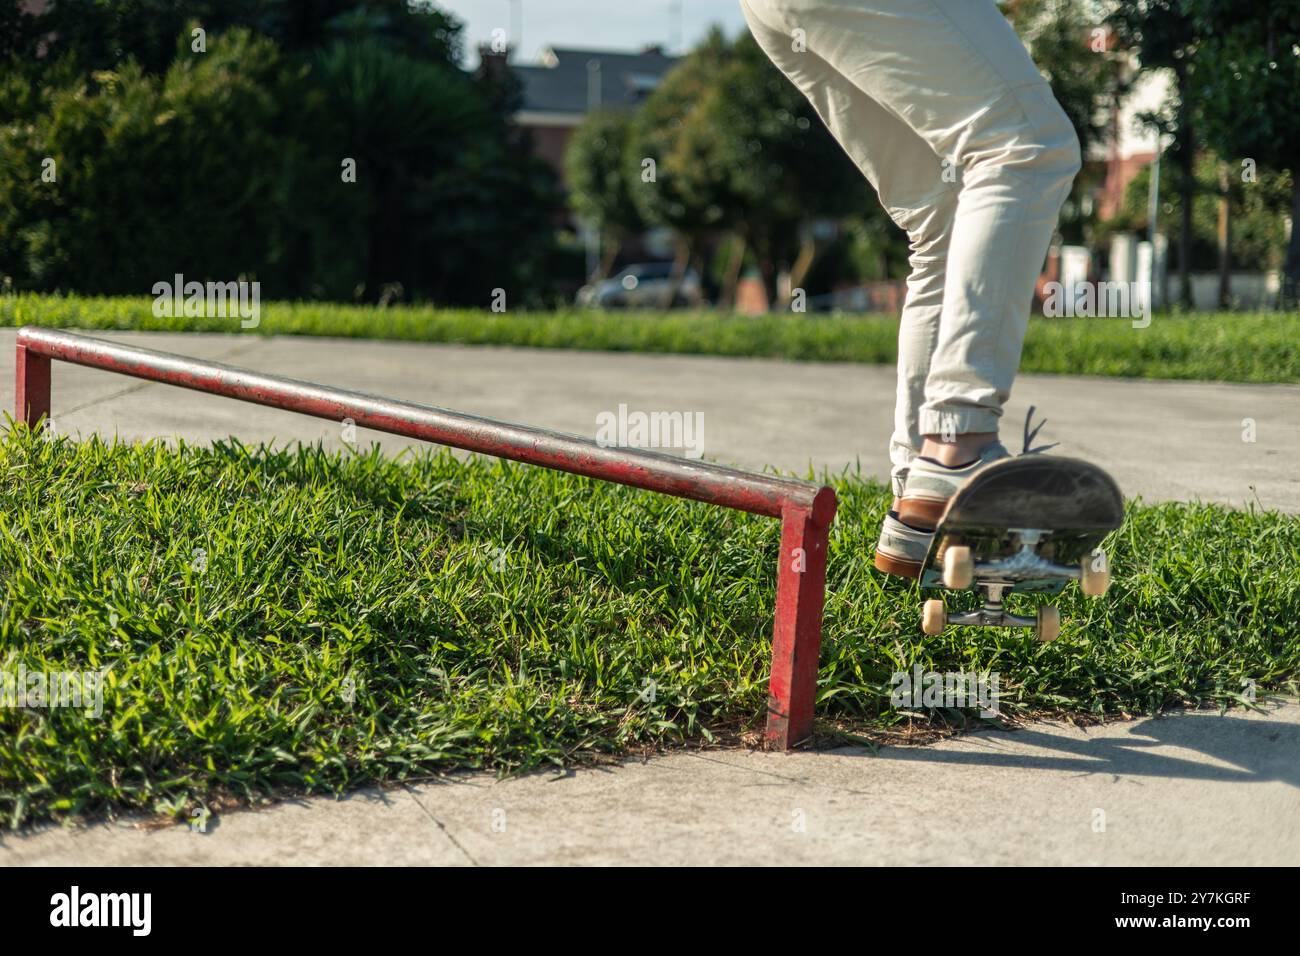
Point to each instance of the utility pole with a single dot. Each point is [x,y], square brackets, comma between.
[593,104]
[593,84]
[1159,266]
[675,26]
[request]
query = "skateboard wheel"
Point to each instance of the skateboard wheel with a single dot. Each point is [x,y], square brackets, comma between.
[934,616]
[958,567]
[1094,577]
[1049,623]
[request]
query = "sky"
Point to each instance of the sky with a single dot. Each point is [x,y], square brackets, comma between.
[603,24]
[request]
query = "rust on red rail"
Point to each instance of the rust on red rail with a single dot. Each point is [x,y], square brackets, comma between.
[702,481]
[806,509]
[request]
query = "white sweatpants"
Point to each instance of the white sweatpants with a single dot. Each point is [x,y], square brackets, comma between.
[943,110]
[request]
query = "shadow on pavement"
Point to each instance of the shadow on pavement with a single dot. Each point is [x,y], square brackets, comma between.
[1228,748]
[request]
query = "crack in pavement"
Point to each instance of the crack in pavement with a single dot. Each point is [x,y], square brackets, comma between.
[441,826]
[802,781]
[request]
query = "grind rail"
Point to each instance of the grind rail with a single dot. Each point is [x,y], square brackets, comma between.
[805,509]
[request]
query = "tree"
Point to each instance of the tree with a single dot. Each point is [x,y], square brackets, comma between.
[102,35]
[1069,49]
[1246,77]
[1165,37]
[444,204]
[599,190]
[19,33]
[739,150]
[780,168]
[150,175]
[233,163]
[1258,220]
[674,186]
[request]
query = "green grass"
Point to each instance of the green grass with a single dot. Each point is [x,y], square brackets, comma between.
[1231,347]
[359,619]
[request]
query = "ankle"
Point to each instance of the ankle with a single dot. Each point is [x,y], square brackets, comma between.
[962,450]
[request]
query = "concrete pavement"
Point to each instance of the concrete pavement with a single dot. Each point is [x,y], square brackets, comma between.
[1182,789]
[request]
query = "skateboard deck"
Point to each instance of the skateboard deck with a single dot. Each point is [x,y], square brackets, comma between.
[1030,525]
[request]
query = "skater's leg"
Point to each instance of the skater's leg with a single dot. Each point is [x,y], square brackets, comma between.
[909,178]
[957,75]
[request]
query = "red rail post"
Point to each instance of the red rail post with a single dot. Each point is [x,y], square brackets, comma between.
[31,386]
[797,632]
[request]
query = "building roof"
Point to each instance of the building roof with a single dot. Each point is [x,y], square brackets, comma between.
[560,82]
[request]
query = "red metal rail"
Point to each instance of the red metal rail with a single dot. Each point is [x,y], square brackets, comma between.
[805,509]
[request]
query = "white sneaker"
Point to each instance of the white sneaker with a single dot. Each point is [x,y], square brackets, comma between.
[901,550]
[930,485]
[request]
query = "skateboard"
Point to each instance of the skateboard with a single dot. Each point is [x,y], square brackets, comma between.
[1022,525]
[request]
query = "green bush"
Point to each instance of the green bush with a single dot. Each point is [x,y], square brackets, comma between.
[230,164]
[153,175]
[442,204]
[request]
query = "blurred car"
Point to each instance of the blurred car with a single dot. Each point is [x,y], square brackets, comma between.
[644,285]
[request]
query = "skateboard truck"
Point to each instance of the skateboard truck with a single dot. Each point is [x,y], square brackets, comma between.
[1046,624]
[996,577]
[992,614]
